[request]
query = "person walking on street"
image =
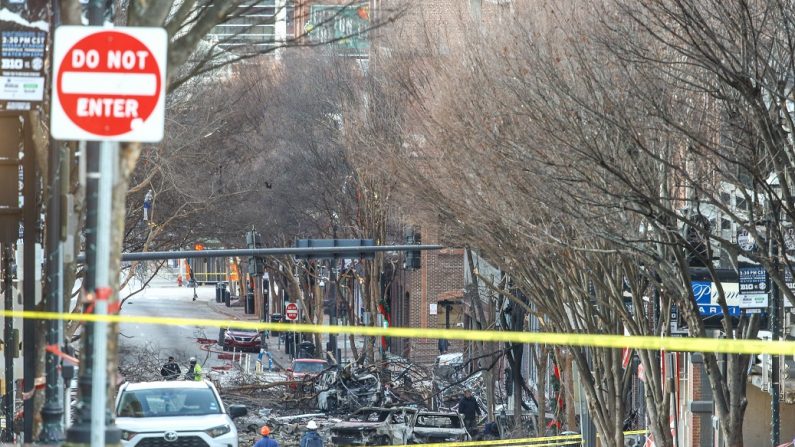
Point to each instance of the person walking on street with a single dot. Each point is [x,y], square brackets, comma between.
[311,438]
[171,370]
[266,440]
[469,408]
[194,371]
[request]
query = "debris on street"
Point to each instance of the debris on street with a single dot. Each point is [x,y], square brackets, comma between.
[393,401]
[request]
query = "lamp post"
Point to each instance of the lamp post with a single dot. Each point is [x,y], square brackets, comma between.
[148,205]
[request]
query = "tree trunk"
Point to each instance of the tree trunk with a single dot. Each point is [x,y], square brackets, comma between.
[541,388]
[568,386]
[353,319]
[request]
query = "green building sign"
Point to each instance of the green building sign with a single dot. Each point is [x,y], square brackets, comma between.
[344,25]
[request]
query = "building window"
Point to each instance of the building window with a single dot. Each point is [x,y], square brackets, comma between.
[741,203]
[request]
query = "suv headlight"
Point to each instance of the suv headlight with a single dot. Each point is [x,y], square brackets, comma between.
[127,435]
[218,431]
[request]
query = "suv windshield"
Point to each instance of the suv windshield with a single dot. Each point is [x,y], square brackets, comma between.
[309,367]
[167,402]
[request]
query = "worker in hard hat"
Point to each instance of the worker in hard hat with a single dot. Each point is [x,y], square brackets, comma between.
[311,438]
[266,440]
[194,371]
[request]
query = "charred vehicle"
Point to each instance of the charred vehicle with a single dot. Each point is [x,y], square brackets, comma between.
[374,426]
[343,390]
[429,427]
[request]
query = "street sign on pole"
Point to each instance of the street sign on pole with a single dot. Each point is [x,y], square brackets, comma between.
[109,83]
[753,287]
[332,243]
[291,312]
[23,46]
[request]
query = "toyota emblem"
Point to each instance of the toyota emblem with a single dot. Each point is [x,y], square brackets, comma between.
[170,436]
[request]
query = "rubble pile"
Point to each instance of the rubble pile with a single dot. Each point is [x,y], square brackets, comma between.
[393,401]
[286,429]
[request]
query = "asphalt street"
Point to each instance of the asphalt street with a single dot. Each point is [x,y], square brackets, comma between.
[163,299]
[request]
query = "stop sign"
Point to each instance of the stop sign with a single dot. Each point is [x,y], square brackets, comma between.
[109,83]
[291,312]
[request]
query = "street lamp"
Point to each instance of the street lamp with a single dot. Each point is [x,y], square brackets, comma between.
[148,204]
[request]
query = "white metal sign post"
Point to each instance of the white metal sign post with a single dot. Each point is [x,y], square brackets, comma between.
[108,86]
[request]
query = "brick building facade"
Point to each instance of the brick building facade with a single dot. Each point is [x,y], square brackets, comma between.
[415,296]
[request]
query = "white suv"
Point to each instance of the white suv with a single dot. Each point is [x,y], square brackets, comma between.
[175,414]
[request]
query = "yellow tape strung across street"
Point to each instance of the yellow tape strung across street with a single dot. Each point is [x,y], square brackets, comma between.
[635,432]
[562,440]
[721,345]
[519,442]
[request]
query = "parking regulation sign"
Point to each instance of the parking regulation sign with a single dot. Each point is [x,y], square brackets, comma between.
[754,286]
[109,83]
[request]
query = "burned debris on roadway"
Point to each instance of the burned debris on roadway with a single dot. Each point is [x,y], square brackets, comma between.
[393,402]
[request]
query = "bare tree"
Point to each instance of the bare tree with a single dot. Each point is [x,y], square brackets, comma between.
[190,55]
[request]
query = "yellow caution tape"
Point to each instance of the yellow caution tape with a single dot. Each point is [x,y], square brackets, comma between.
[684,344]
[546,441]
[635,432]
[520,442]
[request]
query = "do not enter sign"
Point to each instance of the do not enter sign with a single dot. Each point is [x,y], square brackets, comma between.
[291,312]
[109,83]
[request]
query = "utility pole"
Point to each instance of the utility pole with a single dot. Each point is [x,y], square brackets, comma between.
[30,217]
[332,313]
[89,427]
[11,129]
[52,427]
[80,432]
[9,342]
[52,412]
[775,335]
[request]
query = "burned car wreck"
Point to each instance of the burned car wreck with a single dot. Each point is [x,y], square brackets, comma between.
[428,427]
[373,426]
[340,390]
[398,426]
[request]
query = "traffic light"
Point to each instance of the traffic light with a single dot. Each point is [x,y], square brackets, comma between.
[256,264]
[412,261]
